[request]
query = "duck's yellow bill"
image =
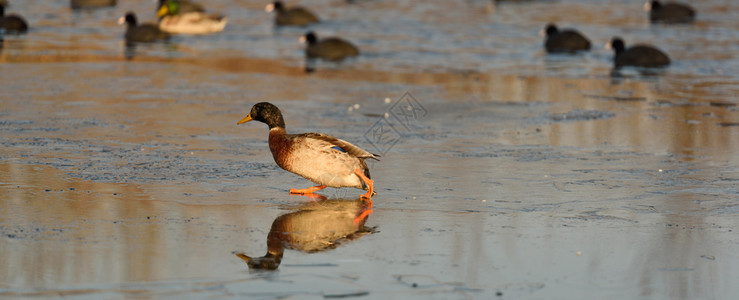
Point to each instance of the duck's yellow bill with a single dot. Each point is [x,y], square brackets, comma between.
[244,120]
[162,11]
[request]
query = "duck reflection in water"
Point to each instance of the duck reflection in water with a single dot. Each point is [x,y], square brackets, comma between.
[316,226]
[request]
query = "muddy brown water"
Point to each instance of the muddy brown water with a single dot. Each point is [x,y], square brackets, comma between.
[514,175]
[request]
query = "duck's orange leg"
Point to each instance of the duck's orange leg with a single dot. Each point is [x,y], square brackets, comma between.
[314,197]
[368,182]
[365,213]
[309,190]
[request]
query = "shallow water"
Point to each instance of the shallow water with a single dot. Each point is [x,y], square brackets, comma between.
[520,175]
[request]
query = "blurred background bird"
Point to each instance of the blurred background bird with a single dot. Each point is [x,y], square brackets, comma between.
[176,16]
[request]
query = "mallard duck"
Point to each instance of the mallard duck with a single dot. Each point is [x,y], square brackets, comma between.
[566,40]
[637,56]
[318,157]
[141,33]
[331,48]
[670,12]
[12,23]
[316,226]
[294,16]
[75,4]
[186,6]
[172,20]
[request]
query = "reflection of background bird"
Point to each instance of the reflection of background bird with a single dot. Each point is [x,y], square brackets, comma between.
[12,23]
[294,16]
[637,56]
[316,226]
[318,157]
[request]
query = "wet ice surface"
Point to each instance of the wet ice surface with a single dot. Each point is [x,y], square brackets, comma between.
[522,176]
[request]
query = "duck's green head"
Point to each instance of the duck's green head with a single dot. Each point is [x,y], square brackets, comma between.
[169,7]
[267,262]
[265,112]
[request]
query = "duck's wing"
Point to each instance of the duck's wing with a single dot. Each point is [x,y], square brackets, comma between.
[342,145]
[198,18]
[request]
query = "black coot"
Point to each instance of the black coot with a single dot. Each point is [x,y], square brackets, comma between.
[12,23]
[566,40]
[75,4]
[637,56]
[670,12]
[294,16]
[141,33]
[331,48]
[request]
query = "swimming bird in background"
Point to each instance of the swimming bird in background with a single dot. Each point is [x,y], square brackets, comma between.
[186,6]
[637,56]
[76,4]
[564,40]
[293,16]
[173,20]
[330,48]
[318,157]
[145,33]
[12,23]
[669,12]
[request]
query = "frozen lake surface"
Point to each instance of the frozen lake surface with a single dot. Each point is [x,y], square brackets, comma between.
[516,174]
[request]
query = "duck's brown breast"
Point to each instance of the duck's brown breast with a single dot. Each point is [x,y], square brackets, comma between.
[280,145]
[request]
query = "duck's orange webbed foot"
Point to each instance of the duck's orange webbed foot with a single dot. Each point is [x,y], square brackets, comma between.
[309,190]
[368,195]
[365,213]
